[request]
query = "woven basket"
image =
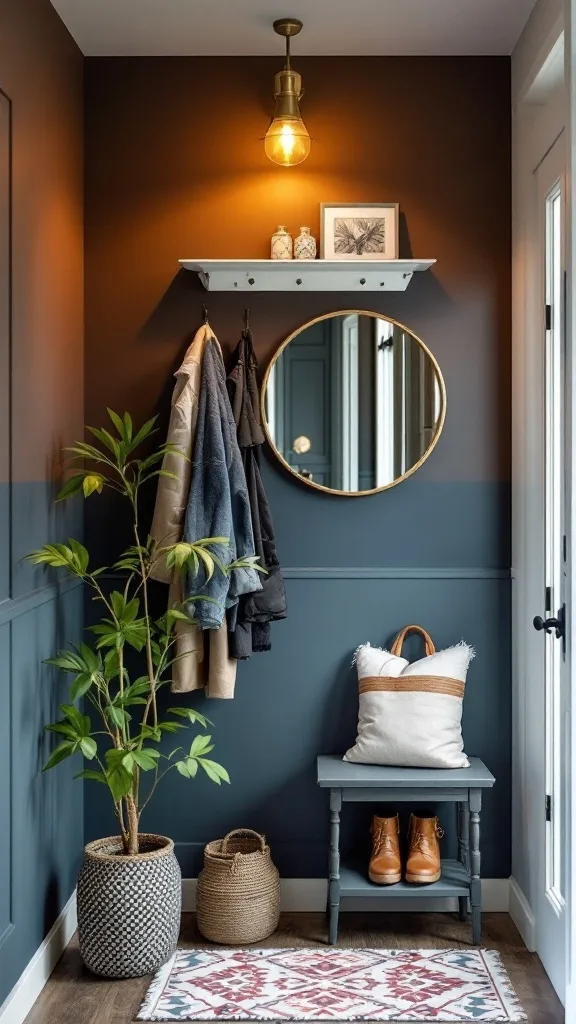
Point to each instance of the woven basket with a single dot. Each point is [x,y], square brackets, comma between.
[238,893]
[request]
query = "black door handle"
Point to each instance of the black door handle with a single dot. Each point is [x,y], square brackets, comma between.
[548,625]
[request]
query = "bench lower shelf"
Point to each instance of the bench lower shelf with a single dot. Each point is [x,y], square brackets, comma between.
[454,881]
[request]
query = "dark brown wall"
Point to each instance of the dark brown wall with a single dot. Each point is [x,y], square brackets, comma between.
[175,167]
[41,395]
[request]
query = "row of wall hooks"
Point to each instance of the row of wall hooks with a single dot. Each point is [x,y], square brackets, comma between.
[246,317]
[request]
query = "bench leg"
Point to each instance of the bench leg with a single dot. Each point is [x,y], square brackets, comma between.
[334,868]
[463,852]
[475,884]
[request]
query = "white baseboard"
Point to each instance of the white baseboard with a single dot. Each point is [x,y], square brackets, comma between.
[297,895]
[521,914]
[21,999]
[309,894]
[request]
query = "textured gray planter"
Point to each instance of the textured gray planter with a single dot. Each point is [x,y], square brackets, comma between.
[128,907]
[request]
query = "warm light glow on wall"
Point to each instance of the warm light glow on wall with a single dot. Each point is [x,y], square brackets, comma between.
[287,140]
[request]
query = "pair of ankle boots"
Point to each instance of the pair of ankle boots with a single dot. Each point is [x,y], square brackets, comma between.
[423,861]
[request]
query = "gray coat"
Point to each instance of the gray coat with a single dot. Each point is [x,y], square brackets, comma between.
[218,504]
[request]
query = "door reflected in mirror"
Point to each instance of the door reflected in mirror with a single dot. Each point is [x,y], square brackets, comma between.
[353,402]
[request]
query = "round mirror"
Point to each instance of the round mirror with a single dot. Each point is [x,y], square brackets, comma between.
[353,402]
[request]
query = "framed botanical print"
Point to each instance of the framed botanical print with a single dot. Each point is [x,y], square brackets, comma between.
[359,231]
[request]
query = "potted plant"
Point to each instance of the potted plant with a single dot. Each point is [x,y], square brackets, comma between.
[129,887]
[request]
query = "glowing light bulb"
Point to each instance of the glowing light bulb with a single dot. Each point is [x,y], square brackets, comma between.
[287,141]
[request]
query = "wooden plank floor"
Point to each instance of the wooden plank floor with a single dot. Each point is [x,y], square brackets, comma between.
[74,996]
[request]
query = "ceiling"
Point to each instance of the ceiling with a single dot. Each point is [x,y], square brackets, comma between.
[244,27]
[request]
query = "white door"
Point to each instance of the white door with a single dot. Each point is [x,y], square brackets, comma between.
[551,924]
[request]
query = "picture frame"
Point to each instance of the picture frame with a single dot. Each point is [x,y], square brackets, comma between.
[359,231]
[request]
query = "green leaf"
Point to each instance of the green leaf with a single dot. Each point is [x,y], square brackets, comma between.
[88,747]
[175,615]
[145,430]
[89,774]
[192,766]
[81,685]
[113,757]
[128,762]
[92,660]
[63,728]
[116,421]
[182,767]
[119,782]
[170,726]
[178,555]
[87,451]
[93,482]
[117,716]
[60,753]
[80,555]
[80,722]
[192,715]
[214,771]
[70,661]
[199,745]
[127,426]
[144,759]
[71,487]
[131,610]
[111,664]
[106,439]
[138,687]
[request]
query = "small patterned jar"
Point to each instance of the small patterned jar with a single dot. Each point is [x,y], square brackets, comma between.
[305,245]
[281,247]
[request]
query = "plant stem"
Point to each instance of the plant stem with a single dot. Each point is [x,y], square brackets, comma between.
[120,816]
[149,661]
[132,824]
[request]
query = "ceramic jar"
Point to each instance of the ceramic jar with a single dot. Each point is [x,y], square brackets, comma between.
[281,244]
[305,245]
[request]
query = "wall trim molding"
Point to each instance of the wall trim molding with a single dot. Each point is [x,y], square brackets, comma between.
[12,608]
[21,999]
[521,914]
[368,572]
[308,895]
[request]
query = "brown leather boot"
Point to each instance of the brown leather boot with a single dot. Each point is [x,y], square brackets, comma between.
[423,864]
[385,866]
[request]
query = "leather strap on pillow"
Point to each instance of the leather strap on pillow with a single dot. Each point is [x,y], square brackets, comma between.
[399,641]
[411,684]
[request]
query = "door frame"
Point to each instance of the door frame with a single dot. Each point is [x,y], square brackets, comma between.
[539,116]
[551,907]
[570,314]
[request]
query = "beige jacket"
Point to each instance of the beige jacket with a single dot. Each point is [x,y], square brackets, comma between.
[203,655]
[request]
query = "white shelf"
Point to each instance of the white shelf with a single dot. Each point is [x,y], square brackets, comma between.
[306,275]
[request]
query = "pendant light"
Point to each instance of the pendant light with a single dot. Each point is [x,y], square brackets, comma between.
[287,141]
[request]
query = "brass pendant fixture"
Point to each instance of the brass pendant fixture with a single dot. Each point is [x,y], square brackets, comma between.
[287,141]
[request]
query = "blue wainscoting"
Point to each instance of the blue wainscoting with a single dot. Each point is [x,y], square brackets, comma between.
[42,832]
[301,699]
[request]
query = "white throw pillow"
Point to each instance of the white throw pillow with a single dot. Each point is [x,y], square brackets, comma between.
[410,714]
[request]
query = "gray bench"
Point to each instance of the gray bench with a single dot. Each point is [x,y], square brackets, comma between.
[375,784]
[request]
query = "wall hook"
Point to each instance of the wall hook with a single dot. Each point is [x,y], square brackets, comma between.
[246,318]
[204,314]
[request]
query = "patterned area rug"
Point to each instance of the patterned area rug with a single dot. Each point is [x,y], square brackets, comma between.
[332,985]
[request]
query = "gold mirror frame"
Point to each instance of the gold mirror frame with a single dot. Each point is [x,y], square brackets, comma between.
[409,472]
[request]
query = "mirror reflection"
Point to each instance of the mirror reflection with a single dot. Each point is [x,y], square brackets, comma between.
[353,402]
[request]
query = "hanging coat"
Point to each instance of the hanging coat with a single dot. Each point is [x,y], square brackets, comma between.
[218,504]
[256,611]
[202,659]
